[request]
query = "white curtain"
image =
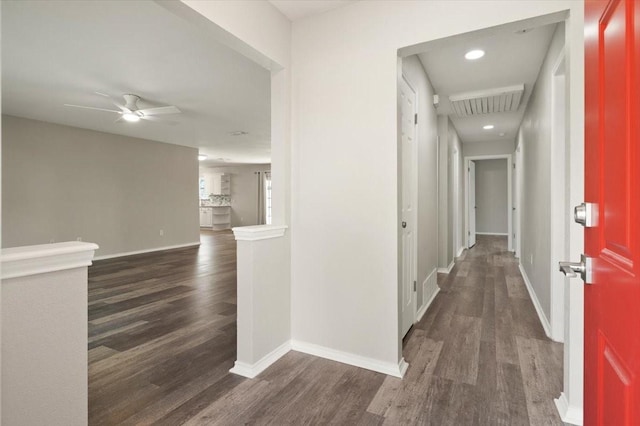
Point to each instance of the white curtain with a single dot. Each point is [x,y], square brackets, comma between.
[264,197]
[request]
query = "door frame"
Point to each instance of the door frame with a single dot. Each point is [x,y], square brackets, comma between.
[559,208]
[455,164]
[414,200]
[509,159]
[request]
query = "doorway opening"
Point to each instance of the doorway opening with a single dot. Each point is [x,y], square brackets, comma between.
[488,189]
[487,126]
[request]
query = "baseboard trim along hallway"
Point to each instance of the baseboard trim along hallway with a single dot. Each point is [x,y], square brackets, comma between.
[536,303]
[448,269]
[250,371]
[390,369]
[570,415]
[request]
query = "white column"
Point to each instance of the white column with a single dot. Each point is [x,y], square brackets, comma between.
[44,334]
[264,298]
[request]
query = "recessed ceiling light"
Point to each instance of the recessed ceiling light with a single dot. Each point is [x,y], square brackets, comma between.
[501,133]
[474,54]
[239,133]
[488,127]
[130,117]
[202,157]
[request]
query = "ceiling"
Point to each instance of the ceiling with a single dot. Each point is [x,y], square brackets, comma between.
[56,53]
[510,58]
[298,9]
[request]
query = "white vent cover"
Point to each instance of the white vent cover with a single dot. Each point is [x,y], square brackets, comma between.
[502,99]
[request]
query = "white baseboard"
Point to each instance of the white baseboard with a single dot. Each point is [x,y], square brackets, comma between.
[151,250]
[423,309]
[536,302]
[570,415]
[500,234]
[447,269]
[395,370]
[250,371]
[460,250]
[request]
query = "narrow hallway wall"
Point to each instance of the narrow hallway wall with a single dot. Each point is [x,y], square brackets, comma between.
[427,230]
[534,139]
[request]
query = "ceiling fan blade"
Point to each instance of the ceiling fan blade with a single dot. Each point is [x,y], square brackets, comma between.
[171,109]
[158,120]
[97,109]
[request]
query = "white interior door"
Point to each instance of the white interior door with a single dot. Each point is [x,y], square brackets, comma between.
[472,203]
[408,203]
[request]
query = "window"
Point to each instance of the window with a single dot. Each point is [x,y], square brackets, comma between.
[267,195]
[202,189]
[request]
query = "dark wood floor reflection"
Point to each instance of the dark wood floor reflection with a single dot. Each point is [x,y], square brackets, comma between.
[162,339]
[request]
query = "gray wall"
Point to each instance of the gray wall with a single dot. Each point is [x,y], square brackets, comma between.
[489,148]
[534,139]
[61,183]
[244,191]
[491,197]
[427,231]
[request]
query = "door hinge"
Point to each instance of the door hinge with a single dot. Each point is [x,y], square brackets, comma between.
[514,165]
[469,232]
[415,286]
[415,118]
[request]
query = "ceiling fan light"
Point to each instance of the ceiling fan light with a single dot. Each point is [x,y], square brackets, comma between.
[130,117]
[474,54]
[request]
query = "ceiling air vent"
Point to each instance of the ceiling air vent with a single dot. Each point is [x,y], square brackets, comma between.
[502,99]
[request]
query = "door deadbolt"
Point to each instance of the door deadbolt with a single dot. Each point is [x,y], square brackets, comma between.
[586,214]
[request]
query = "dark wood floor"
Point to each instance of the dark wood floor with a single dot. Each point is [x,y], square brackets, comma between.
[162,339]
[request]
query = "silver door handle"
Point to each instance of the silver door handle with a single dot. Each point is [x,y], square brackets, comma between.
[404,224]
[572,269]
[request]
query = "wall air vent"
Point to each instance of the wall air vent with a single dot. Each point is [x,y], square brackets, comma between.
[502,99]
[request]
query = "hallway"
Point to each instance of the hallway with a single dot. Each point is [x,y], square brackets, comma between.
[162,339]
[479,356]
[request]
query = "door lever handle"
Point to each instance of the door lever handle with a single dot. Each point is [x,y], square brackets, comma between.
[572,269]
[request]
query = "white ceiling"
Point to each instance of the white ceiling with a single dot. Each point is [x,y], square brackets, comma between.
[510,58]
[298,9]
[55,53]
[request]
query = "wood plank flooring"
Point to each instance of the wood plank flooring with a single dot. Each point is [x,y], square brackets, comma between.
[162,338]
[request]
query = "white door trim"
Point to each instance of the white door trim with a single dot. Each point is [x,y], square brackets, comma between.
[559,209]
[509,159]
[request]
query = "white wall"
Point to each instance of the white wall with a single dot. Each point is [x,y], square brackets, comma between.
[344,98]
[60,183]
[534,139]
[491,197]
[489,148]
[244,191]
[427,231]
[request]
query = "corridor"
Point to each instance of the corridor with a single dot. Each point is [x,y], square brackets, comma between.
[479,356]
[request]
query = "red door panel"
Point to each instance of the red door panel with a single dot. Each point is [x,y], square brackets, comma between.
[612,160]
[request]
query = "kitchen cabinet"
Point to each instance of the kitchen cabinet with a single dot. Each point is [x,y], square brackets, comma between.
[206,217]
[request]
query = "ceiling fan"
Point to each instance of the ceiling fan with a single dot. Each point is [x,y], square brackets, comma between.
[130,111]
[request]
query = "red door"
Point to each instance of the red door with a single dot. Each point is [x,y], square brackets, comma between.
[612,175]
